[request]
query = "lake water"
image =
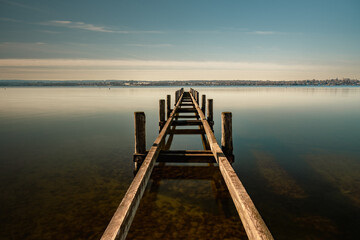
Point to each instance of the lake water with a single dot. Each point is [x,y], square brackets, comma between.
[66,162]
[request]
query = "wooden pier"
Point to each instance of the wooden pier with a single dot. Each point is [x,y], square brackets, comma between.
[186,112]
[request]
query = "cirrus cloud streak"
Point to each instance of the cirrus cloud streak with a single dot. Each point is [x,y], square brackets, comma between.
[89,27]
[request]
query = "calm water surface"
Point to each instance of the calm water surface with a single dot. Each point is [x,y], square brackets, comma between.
[66,162]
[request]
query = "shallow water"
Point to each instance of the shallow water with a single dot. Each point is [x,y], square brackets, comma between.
[66,162]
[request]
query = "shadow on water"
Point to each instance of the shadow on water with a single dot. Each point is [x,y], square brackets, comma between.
[186,202]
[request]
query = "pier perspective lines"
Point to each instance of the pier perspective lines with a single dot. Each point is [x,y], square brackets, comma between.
[186,112]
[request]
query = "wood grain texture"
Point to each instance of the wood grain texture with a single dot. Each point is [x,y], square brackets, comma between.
[168,106]
[203,103]
[122,219]
[161,113]
[253,223]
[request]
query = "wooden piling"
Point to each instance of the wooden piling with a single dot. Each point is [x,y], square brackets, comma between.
[140,139]
[254,225]
[176,97]
[168,105]
[161,114]
[197,97]
[203,103]
[226,135]
[210,113]
[120,223]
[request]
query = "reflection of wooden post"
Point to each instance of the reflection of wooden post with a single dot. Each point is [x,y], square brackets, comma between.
[210,114]
[161,114]
[168,105]
[140,142]
[226,135]
[203,103]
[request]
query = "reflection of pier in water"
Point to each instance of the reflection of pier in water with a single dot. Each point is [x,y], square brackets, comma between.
[154,164]
[210,173]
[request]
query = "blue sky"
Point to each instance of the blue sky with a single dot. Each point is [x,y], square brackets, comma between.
[179,40]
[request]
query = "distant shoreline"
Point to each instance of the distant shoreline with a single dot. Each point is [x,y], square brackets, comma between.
[205,83]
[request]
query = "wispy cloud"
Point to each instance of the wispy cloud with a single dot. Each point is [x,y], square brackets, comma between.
[78,25]
[10,20]
[90,27]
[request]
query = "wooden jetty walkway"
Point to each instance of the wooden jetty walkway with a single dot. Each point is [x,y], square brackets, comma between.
[186,112]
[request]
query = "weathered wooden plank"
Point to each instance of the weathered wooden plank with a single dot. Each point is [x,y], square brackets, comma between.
[122,219]
[187,131]
[186,104]
[188,116]
[189,158]
[253,223]
[187,152]
[183,157]
[186,122]
[183,110]
[178,152]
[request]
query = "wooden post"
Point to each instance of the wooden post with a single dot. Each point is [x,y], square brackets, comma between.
[161,114]
[197,97]
[140,139]
[168,105]
[226,136]
[210,114]
[203,103]
[177,96]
